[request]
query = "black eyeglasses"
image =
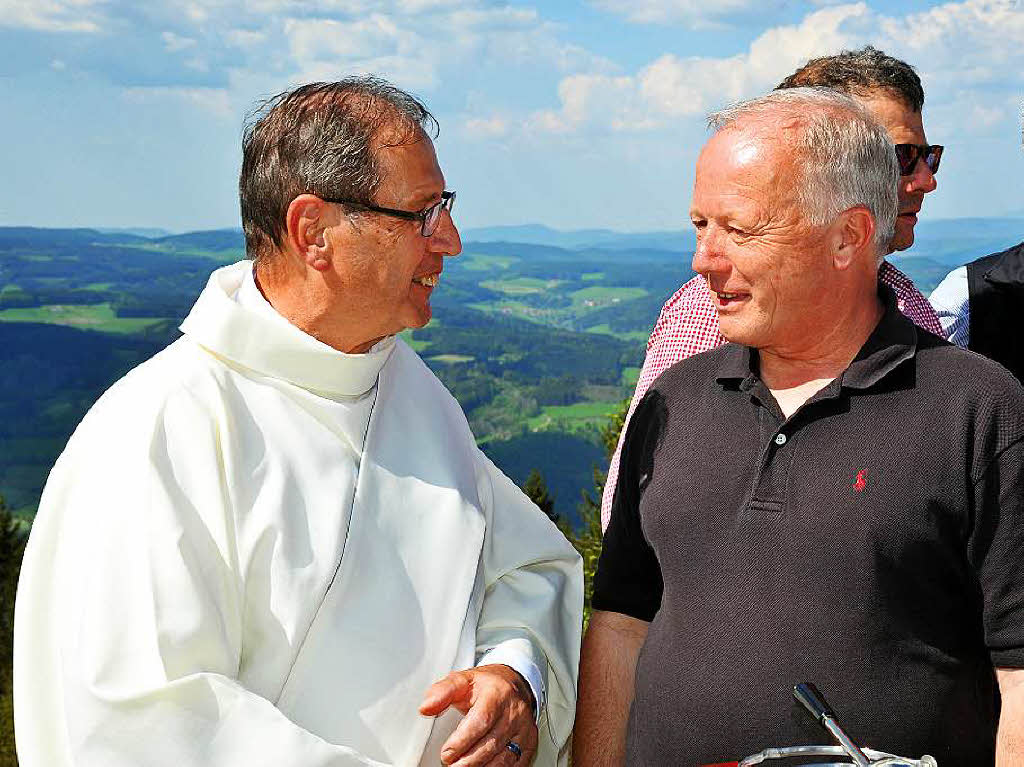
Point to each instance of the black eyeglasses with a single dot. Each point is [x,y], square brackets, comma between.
[429,217]
[908,154]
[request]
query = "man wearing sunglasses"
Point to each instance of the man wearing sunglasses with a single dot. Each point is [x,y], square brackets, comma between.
[891,91]
[276,542]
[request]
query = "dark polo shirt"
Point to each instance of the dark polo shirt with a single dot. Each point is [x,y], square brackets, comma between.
[871,544]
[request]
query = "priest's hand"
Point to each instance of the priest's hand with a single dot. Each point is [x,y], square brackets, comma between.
[498,708]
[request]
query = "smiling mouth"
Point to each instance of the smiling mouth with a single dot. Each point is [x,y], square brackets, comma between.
[724,298]
[428,280]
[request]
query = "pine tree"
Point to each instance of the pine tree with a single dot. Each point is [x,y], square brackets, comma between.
[536,490]
[12,547]
[587,539]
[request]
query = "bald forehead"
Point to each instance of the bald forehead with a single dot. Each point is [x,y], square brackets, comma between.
[753,158]
[755,142]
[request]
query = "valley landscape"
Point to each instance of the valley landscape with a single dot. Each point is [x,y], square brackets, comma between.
[539,334]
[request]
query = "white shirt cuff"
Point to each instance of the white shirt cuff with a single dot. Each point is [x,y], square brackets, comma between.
[526,668]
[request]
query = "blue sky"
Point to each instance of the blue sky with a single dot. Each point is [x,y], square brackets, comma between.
[571,114]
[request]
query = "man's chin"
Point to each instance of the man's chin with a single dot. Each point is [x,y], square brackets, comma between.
[903,236]
[737,332]
[419,318]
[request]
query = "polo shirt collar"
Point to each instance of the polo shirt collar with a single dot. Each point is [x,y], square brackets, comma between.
[738,364]
[891,343]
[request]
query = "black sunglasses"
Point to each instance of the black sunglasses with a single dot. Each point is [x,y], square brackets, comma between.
[429,217]
[908,154]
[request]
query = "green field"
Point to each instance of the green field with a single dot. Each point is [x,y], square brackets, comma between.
[630,376]
[522,311]
[629,335]
[600,296]
[520,285]
[92,317]
[578,415]
[451,359]
[478,262]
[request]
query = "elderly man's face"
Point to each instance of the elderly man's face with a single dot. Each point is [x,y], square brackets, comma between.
[766,266]
[386,268]
[904,126]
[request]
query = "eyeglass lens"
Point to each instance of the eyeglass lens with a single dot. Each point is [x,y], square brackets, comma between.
[909,154]
[433,214]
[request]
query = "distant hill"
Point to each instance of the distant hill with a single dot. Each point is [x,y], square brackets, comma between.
[581,239]
[34,237]
[149,232]
[211,240]
[944,241]
[581,255]
[952,242]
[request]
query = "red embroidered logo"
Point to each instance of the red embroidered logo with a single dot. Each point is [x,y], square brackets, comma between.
[861,482]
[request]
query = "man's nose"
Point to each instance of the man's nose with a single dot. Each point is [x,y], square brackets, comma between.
[922,179]
[708,256]
[445,239]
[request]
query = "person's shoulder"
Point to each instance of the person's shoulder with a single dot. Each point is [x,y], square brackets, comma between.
[1014,252]
[150,392]
[693,373]
[964,376]
[952,288]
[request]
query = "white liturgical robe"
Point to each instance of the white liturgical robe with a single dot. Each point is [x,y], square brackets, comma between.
[257,550]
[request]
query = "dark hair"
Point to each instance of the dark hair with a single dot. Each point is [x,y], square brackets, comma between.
[321,139]
[857,73]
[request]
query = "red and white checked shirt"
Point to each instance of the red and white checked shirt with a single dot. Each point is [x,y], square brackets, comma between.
[688,325]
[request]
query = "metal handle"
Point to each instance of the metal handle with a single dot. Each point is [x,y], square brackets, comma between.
[815,703]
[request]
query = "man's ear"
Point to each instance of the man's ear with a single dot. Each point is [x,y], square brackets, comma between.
[852,234]
[307,231]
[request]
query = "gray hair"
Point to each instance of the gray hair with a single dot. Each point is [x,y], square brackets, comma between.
[322,139]
[845,158]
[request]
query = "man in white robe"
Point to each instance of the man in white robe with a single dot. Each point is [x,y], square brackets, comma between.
[276,542]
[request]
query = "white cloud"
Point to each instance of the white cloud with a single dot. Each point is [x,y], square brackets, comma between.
[485,127]
[318,39]
[327,48]
[690,12]
[245,38]
[971,42]
[960,49]
[217,101]
[592,99]
[671,87]
[50,15]
[174,43]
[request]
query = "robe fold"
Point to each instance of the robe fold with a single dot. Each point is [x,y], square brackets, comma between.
[232,565]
